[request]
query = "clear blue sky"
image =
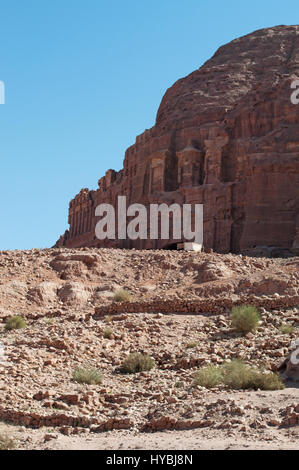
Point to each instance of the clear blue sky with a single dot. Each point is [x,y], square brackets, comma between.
[83,78]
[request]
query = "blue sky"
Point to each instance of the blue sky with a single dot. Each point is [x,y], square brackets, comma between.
[83,78]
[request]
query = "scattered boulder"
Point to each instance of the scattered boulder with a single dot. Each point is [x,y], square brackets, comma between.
[213,271]
[73,293]
[44,293]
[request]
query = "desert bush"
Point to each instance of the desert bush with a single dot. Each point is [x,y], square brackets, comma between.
[48,321]
[107,333]
[209,377]
[6,442]
[90,376]
[287,329]
[191,345]
[108,319]
[122,295]
[15,323]
[245,318]
[237,375]
[137,362]
[266,381]
[179,384]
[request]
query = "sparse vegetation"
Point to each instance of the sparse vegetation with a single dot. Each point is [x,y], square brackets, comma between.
[107,333]
[48,321]
[237,375]
[287,329]
[122,295]
[179,384]
[137,362]
[69,364]
[191,345]
[245,318]
[6,442]
[209,377]
[267,381]
[90,376]
[15,323]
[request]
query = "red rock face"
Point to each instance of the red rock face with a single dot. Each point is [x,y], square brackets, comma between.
[226,136]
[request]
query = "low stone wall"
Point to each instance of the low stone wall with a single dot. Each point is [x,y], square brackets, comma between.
[35,420]
[206,306]
[168,423]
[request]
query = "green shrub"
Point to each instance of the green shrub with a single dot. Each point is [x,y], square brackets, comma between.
[267,381]
[287,329]
[137,362]
[108,319]
[209,377]
[6,442]
[15,323]
[179,384]
[90,376]
[107,333]
[191,345]
[237,375]
[122,295]
[245,318]
[48,321]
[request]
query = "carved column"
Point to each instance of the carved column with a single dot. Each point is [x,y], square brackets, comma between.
[157,171]
[190,167]
[213,158]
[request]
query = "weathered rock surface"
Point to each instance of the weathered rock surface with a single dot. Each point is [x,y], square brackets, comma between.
[159,281]
[225,136]
[179,315]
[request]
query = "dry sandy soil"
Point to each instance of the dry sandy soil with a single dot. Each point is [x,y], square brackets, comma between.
[57,292]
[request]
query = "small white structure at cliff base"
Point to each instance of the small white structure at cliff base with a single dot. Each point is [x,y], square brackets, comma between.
[189,246]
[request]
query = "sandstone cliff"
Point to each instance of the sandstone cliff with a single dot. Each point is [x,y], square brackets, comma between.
[227,136]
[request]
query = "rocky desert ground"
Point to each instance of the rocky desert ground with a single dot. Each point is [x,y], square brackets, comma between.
[179,314]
